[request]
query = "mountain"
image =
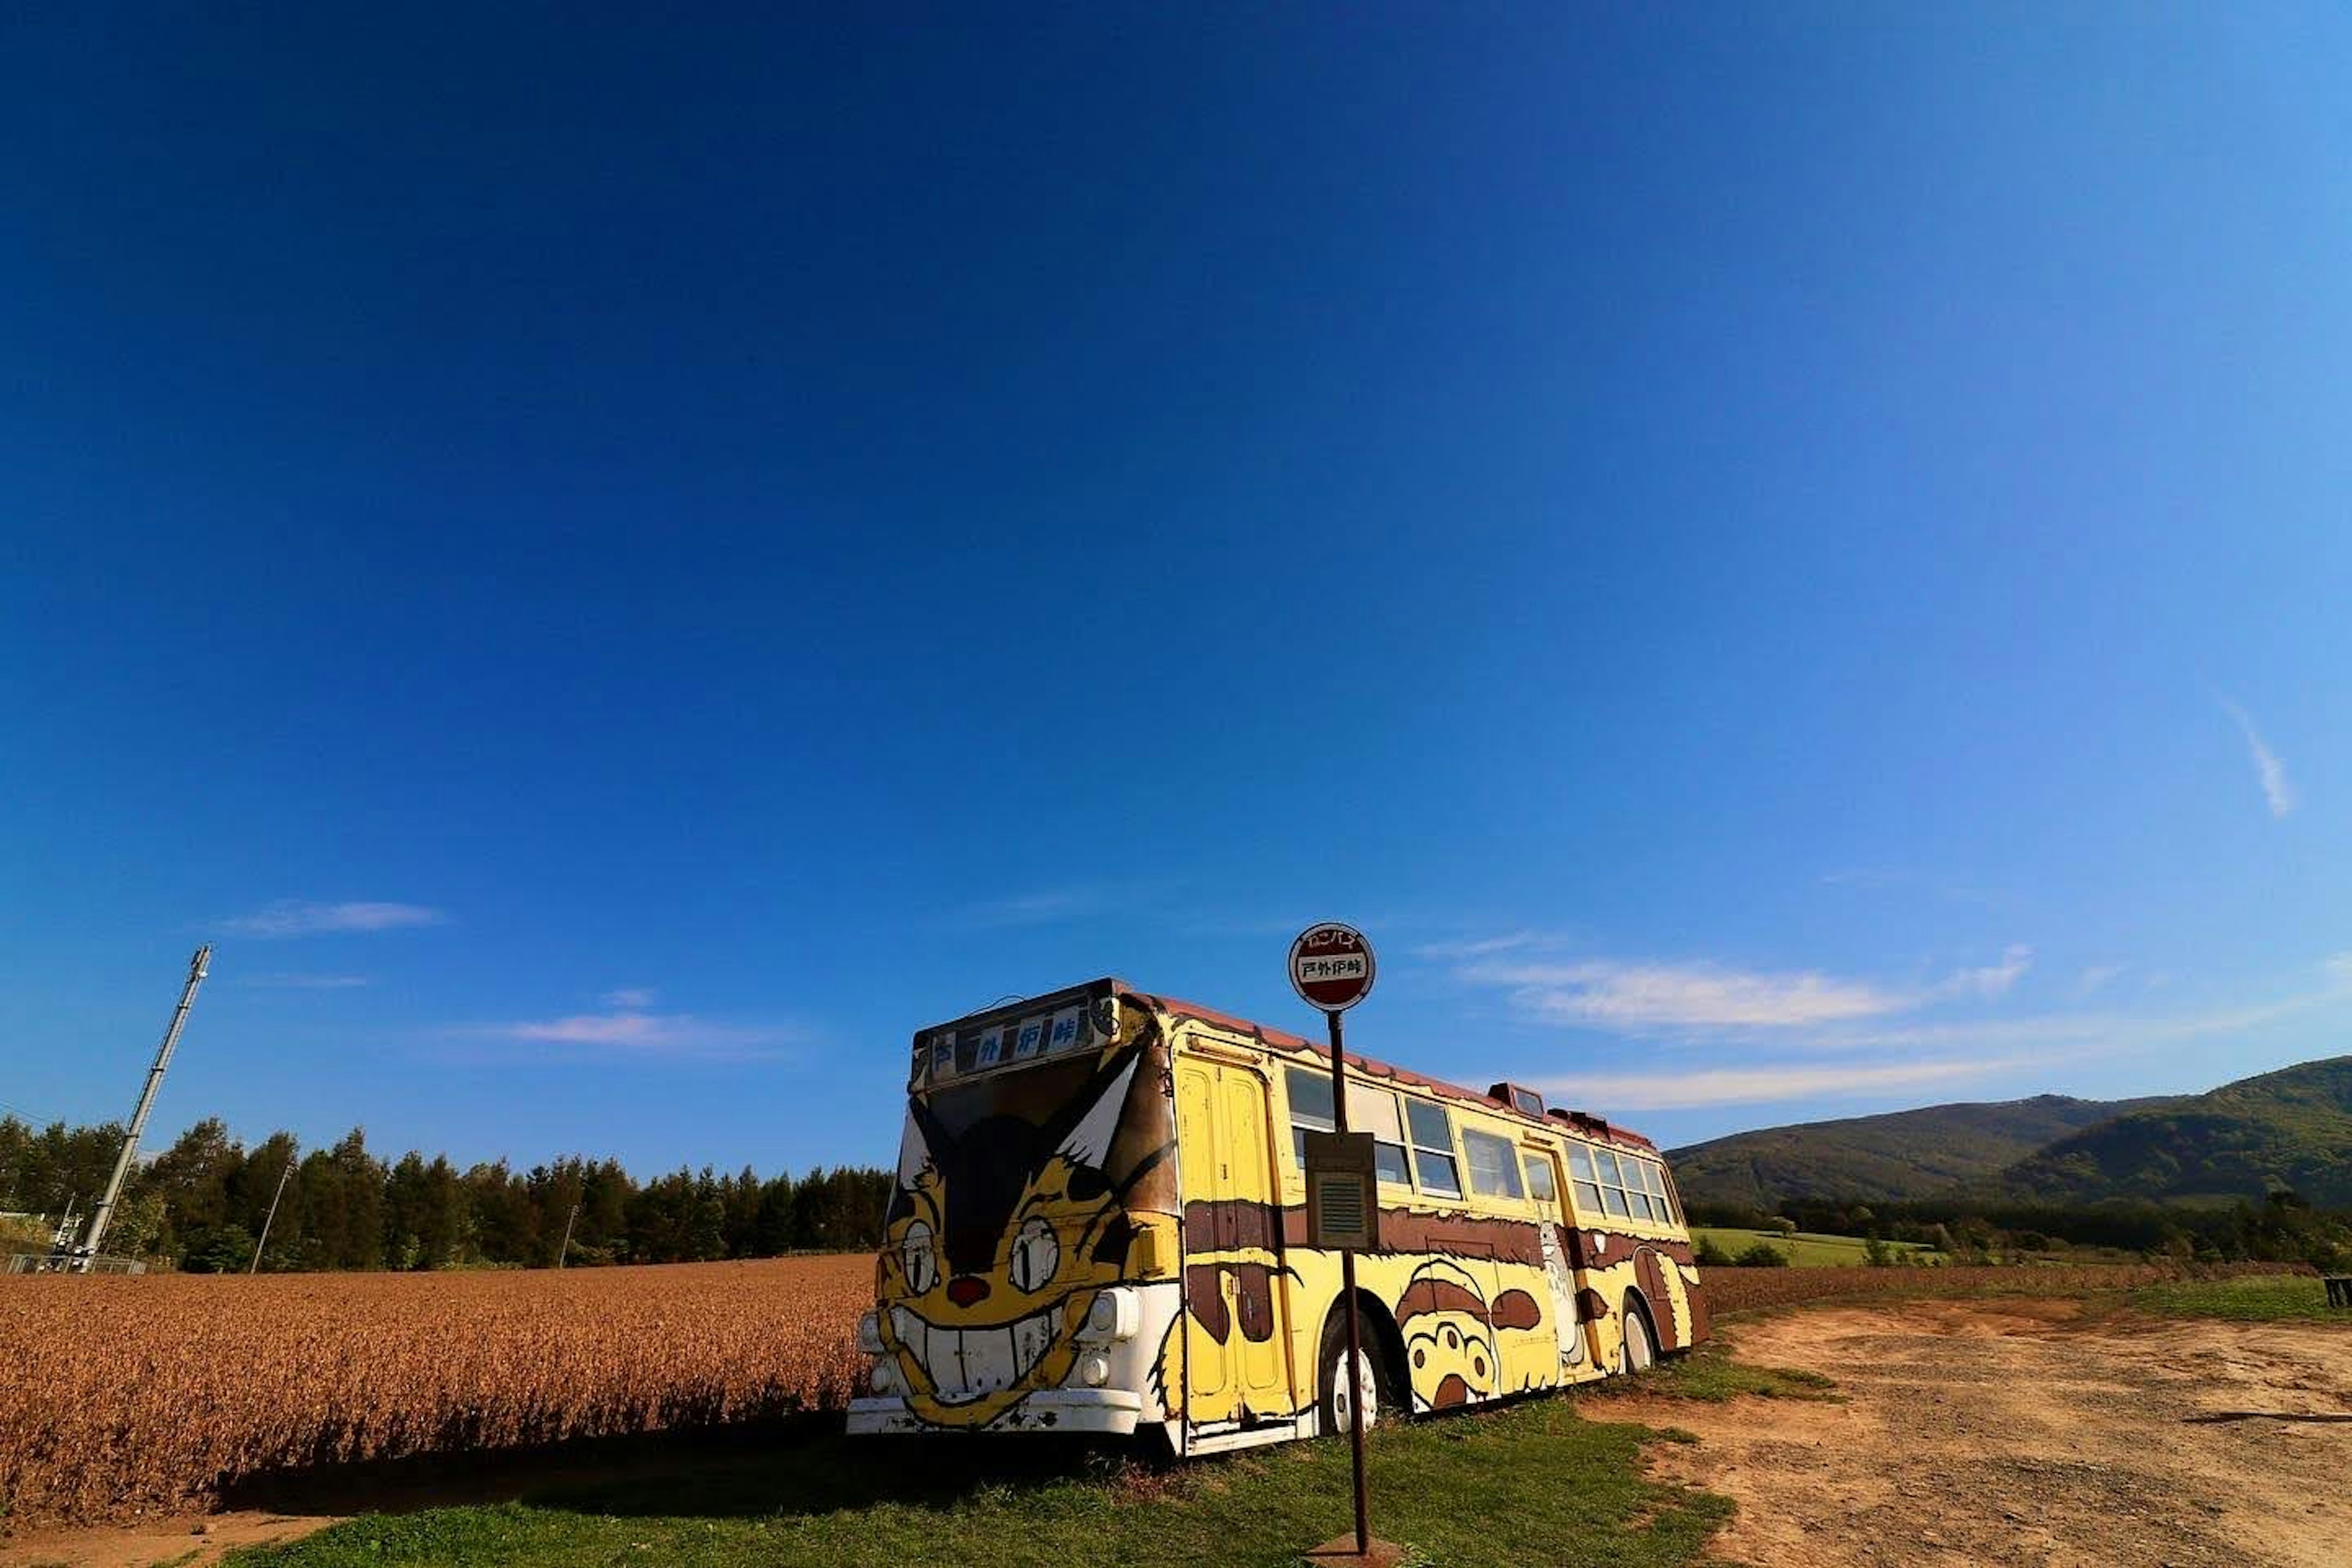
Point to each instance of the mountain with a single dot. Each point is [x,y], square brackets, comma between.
[2290,1128]
[1900,1154]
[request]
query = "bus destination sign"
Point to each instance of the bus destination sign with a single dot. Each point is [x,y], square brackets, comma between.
[1331,966]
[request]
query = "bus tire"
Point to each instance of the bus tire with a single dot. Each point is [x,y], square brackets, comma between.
[1639,1352]
[1381,1392]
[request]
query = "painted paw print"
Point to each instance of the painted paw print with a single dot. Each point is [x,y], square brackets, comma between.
[1444,1320]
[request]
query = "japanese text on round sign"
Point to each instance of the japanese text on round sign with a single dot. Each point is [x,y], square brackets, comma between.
[1331,966]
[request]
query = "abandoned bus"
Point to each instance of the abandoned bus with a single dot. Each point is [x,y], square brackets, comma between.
[1099,1226]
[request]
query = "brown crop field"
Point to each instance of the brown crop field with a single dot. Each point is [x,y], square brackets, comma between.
[123,1397]
[127,1395]
[1751,1290]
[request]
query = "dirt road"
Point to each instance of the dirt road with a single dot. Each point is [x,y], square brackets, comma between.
[2021,1431]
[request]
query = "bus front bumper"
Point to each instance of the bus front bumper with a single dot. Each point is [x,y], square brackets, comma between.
[1107,1411]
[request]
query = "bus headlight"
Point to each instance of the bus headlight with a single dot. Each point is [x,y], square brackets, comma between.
[869,1333]
[886,1377]
[1094,1369]
[1117,1314]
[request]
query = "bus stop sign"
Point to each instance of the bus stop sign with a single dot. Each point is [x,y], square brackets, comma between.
[1331,966]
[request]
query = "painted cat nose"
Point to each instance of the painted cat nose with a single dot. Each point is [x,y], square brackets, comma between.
[966,1288]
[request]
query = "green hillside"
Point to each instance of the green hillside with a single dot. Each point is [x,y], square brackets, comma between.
[1900,1154]
[2291,1128]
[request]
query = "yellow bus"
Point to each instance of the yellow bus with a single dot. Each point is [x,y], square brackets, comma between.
[1099,1226]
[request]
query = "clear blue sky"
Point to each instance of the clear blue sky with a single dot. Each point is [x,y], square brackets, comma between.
[1780,567]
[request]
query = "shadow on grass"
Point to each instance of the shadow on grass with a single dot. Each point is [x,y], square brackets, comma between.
[798,1467]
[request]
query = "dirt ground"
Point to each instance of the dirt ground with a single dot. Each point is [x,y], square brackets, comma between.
[2022,1432]
[1971,1433]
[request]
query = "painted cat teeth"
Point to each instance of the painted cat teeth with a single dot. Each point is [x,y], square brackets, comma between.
[965,1364]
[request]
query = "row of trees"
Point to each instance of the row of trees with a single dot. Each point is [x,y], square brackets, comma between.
[200,1204]
[2281,1228]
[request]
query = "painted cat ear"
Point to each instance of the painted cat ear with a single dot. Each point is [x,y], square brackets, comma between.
[914,1153]
[1089,1142]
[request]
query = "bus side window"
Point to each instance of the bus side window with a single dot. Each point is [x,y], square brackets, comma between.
[1433,1148]
[1369,1109]
[1579,1176]
[1673,1198]
[1374,1110]
[1655,1179]
[1494,1165]
[1310,1108]
[1538,1170]
[1612,1185]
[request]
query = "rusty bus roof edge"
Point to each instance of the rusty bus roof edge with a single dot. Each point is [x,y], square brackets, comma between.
[1179,1010]
[1376,1069]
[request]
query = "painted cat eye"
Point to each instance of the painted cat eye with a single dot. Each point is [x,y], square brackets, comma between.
[921,1260]
[1035,1255]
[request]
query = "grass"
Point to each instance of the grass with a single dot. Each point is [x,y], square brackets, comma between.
[1810,1249]
[1533,1483]
[1711,1373]
[2276,1297]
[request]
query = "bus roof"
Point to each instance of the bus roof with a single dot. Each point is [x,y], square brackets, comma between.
[1575,1122]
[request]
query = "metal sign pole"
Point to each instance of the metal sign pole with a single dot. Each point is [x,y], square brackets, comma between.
[1348,1295]
[1331,968]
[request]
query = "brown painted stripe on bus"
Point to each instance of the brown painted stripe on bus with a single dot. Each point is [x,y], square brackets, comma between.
[1428,1295]
[1247,1224]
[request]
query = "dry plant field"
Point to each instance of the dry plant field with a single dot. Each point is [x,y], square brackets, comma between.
[1752,1289]
[124,1395]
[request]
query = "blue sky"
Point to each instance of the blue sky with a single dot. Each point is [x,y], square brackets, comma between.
[1778,565]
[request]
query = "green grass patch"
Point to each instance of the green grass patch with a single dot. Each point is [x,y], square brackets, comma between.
[1811,1249]
[1534,1482]
[1711,1373]
[2262,1298]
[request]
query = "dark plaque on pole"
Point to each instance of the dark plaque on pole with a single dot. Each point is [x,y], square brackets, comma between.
[1342,1206]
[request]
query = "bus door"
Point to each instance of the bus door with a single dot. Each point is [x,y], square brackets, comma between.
[1237,1342]
[1544,1186]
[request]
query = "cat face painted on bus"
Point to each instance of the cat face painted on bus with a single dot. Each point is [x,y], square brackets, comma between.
[1002,1236]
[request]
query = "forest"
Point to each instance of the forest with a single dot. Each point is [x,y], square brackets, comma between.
[200,1205]
[2283,1227]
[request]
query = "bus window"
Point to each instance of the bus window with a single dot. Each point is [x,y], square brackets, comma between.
[1655,1180]
[1539,1171]
[1433,1148]
[1310,1108]
[1374,1110]
[1612,1185]
[1494,1165]
[1579,1176]
[1369,1109]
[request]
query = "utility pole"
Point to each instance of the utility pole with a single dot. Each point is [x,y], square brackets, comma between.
[565,1250]
[87,1254]
[271,1217]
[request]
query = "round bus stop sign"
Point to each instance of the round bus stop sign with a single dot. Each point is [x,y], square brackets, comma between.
[1331,966]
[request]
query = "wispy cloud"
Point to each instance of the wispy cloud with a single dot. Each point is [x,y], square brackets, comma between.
[1483,947]
[1041,908]
[1893,1056]
[1987,984]
[1763,1084]
[303,982]
[294,917]
[2277,793]
[1638,996]
[641,1033]
[630,998]
[2097,977]
[1641,996]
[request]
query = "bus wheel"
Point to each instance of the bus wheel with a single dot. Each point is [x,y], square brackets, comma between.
[1333,1399]
[1641,1352]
